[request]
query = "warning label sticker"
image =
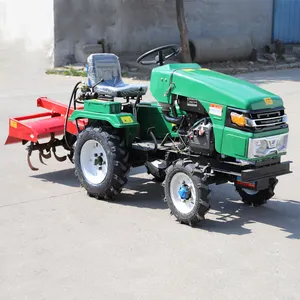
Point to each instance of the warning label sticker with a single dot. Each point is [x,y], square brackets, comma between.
[216,110]
[13,124]
[268,101]
[126,119]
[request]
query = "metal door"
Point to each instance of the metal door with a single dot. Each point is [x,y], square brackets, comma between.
[286,21]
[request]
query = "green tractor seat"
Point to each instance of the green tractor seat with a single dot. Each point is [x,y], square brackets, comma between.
[106,66]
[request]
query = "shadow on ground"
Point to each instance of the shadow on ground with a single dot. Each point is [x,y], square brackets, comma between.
[230,216]
[65,177]
[227,216]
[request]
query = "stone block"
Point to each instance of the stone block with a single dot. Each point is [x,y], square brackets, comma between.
[270,57]
[262,60]
[289,58]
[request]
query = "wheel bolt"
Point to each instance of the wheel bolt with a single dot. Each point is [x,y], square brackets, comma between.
[96,155]
[100,168]
[101,154]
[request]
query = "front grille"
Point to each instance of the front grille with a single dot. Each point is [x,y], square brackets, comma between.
[268,118]
[260,120]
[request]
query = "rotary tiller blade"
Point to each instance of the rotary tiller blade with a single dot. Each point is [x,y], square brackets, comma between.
[41,158]
[30,164]
[60,159]
[47,155]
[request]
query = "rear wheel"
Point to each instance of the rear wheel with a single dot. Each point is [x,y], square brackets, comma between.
[156,169]
[186,193]
[257,198]
[101,162]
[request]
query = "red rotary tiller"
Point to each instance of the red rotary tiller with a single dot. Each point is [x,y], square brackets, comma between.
[50,124]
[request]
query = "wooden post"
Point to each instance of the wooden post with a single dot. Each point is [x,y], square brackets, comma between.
[186,54]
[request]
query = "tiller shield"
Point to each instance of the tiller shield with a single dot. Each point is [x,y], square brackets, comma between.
[33,128]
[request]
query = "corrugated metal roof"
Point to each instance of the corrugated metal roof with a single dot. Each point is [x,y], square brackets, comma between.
[286,23]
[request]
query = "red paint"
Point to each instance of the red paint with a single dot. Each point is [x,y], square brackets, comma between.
[38,126]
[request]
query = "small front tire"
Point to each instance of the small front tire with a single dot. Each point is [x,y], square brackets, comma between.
[257,198]
[186,193]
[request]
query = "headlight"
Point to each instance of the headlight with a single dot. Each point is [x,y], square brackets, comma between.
[267,146]
[238,119]
[241,120]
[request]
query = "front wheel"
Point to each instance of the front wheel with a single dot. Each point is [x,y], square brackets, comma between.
[257,198]
[101,162]
[186,193]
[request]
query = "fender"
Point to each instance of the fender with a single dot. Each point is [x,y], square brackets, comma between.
[121,120]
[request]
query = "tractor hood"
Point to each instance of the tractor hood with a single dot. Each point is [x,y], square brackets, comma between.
[192,81]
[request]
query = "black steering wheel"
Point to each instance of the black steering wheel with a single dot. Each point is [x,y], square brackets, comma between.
[160,58]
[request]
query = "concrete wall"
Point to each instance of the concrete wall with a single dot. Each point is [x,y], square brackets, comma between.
[26,27]
[139,25]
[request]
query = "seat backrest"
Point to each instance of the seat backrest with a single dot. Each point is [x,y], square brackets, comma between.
[104,66]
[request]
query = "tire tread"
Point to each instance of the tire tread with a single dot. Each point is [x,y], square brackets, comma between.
[203,206]
[120,157]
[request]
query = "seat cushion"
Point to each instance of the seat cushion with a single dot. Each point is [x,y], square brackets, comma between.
[106,66]
[122,90]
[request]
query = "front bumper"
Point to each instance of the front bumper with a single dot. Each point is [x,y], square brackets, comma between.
[266,172]
[266,146]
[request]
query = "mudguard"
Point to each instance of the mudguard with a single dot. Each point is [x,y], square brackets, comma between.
[121,120]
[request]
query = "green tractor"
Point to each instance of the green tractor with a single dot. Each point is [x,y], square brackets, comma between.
[205,128]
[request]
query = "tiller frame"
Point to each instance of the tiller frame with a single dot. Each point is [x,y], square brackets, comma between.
[32,128]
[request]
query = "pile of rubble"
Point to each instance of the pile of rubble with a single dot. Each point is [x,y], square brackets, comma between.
[273,57]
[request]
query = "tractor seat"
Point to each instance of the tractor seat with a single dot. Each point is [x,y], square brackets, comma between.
[106,66]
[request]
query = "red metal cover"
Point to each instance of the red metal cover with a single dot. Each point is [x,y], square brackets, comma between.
[37,126]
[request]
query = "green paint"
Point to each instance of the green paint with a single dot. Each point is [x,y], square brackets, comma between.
[125,121]
[105,107]
[215,91]
[211,86]
[150,116]
[108,111]
[235,142]
[222,91]
[116,120]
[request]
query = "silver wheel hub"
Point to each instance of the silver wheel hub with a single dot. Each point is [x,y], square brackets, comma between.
[93,161]
[183,193]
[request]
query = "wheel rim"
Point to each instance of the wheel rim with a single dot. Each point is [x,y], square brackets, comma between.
[185,206]
[93,161]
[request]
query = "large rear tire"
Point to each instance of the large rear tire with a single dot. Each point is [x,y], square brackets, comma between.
[257,198]
[101,162]
[186,193]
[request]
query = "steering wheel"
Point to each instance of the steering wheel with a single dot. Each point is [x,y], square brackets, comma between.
[160,58]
